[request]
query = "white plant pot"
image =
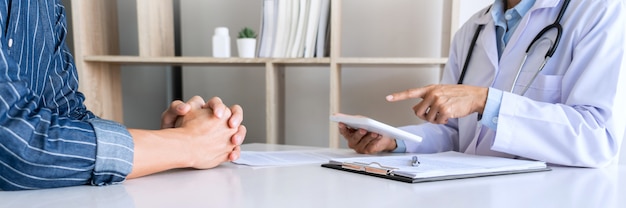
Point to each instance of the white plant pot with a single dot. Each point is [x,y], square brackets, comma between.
[246,47]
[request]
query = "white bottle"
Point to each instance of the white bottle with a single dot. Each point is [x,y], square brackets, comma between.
[221,43]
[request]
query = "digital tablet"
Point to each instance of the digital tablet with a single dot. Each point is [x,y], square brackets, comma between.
[371,125]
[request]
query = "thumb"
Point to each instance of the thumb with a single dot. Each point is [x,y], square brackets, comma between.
[176,109]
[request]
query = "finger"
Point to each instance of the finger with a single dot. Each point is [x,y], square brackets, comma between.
[432,116]
[422,108]
[355,138]
[237,116]
[432,113]
[239,136]
[364,143]
[372,146]
[180,108]
[443,114]
[196,102]
[234,155]
[344,130]
[218,107]
[407,94]
[169,116]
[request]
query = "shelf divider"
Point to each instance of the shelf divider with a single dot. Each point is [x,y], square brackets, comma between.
[275,103]
[96,32]
[155,20]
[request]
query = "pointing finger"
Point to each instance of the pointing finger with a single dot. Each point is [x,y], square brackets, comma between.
[407,94]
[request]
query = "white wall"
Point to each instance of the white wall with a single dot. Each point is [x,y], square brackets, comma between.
[468,8]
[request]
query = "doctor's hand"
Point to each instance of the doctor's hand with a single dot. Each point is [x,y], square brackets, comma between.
[365,142]
[441,102]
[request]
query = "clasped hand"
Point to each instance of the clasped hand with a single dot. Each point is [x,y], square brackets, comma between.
[212,126]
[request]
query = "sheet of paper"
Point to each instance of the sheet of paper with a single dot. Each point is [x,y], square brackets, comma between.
[287,158]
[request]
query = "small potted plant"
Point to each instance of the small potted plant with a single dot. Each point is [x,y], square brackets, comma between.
[246,43]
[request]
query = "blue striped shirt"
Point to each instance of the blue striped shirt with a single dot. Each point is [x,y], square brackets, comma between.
[47,137]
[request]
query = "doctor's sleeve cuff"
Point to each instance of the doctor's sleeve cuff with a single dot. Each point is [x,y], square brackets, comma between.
[114,153]
[492,108]
[400,146]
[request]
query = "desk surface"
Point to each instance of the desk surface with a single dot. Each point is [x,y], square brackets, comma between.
[313,186]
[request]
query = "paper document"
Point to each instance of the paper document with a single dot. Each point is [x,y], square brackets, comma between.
[438,166]
[287,158]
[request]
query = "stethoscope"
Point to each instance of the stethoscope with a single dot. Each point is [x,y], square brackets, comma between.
[555,25]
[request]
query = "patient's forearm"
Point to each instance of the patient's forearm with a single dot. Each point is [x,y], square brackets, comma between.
[158,150]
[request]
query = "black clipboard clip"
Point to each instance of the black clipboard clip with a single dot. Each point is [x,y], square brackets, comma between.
[373,167]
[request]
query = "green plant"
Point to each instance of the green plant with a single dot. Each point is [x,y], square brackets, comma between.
[246,32]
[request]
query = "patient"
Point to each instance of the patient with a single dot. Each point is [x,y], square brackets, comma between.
[49,139]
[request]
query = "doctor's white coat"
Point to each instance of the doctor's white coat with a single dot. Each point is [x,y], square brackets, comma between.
[574,112]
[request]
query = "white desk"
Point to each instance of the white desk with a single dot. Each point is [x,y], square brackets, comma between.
[314,186]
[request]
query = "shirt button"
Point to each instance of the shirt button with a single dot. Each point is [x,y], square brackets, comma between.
[494,120]
[10,42]
[508,17]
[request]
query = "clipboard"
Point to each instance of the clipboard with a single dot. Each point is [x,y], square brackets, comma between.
[381,170]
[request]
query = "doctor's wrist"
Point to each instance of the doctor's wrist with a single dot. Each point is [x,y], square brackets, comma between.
[481,99]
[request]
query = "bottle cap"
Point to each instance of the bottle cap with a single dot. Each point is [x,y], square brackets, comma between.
[221,31]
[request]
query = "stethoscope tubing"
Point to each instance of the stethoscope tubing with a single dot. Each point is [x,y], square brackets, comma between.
[555,25]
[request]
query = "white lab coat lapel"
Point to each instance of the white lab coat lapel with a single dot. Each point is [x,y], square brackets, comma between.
[489,45]
[484,61]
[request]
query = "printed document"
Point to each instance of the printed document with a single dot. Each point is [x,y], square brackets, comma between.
[287,158]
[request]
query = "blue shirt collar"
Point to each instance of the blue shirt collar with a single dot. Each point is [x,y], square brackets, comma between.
[498,10]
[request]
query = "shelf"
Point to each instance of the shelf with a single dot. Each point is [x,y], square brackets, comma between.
[200,60]
[409,61]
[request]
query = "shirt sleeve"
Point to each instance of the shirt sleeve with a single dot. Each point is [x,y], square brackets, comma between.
[114,152]
[400,146]
[490,114]
[41,148]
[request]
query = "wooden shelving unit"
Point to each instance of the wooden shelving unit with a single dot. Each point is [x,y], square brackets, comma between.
[96,49]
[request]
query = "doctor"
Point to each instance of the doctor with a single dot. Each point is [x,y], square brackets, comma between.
[494,101]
